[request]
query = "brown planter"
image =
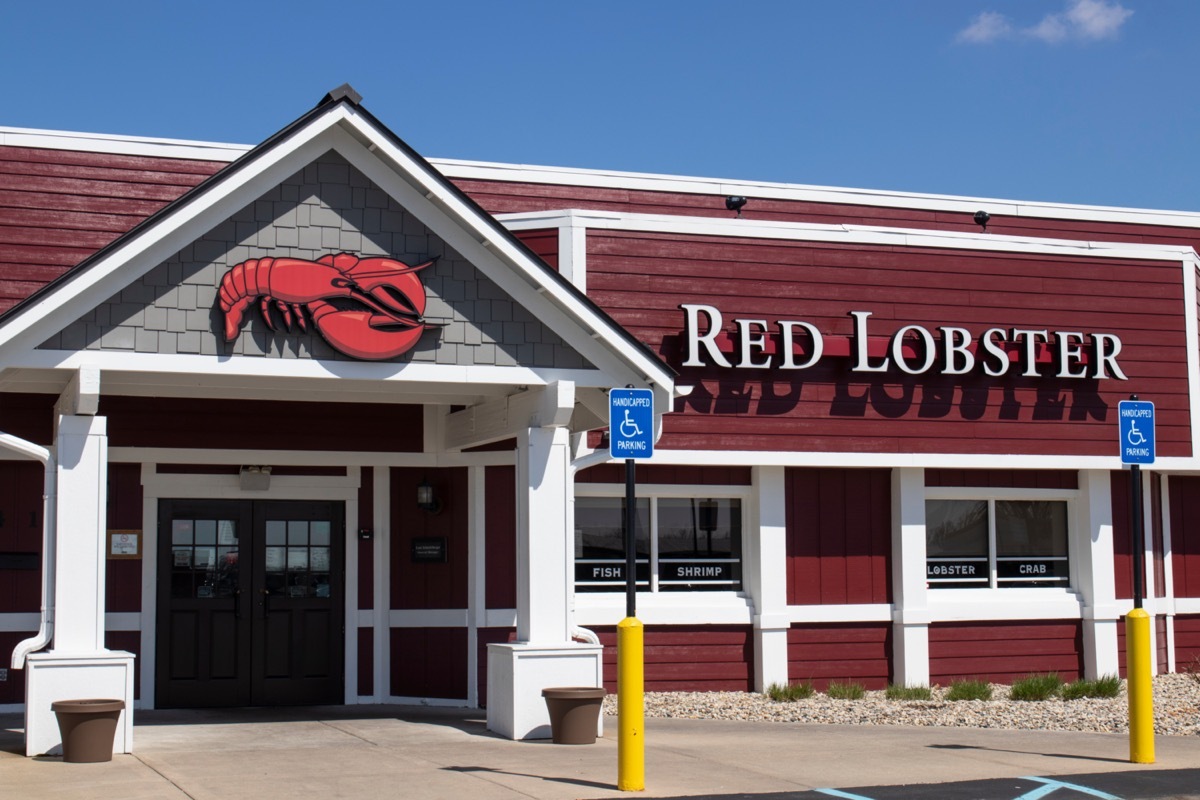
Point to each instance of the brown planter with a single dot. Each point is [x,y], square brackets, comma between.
[574,713]
[87,728]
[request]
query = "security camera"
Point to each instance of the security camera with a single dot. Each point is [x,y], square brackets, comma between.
[735,203]
[982,218]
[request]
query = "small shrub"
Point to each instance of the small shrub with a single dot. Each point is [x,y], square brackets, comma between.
[895,692]
[845,690]
[1106,686]
[969,690]
[787,693]
[1034,688]
[1192,669]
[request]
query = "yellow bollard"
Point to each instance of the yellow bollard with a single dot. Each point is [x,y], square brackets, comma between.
[631,715]
[1140,687]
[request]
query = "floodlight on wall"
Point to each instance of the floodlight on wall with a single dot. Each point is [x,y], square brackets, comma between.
[735,203]
[982,218]
[426,499]
[254,478]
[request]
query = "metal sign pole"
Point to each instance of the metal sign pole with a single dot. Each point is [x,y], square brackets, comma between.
[630,539]
[1139,535]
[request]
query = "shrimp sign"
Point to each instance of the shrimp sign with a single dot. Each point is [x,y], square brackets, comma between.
[367,308]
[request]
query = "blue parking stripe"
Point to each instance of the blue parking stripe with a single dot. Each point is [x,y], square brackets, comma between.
[1053,785]
[846,795]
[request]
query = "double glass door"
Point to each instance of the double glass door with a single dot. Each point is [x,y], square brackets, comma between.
[250,603]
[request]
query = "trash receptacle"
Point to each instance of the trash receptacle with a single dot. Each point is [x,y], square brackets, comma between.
[574,713]
[87,728]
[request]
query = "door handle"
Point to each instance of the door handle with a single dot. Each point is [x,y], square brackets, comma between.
[237,603]
[266,603]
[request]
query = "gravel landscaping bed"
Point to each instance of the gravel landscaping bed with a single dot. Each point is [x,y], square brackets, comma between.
[1176,709]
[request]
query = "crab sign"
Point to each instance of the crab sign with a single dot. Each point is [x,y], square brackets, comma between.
[369,308]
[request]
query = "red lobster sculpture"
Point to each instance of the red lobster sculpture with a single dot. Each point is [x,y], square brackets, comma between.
[369,308]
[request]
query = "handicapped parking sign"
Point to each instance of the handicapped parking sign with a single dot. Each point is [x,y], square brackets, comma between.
[631,423]
[1136,421]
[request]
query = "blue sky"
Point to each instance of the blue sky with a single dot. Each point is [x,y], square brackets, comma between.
[1081,101]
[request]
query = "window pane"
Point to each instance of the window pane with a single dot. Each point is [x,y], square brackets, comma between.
[956,544]
[206,531]
[276,532]
[956,528]
[600,544]
[1031,543]
[297,532]
[699,544]
[181,531]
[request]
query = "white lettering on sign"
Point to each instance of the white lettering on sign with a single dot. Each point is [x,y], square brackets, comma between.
[606,572]
[699,572]
[1033,569]
[951,569]
[912,349]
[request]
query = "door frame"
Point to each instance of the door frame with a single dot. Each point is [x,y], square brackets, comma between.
[187,486]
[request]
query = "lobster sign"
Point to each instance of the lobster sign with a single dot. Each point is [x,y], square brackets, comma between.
[368,308]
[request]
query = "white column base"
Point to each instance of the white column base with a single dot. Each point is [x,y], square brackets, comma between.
[1100,654]
[770,657]
[50,677]
[910,660]
[517,673]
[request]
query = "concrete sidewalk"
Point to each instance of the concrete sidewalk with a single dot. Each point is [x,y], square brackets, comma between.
[407,752]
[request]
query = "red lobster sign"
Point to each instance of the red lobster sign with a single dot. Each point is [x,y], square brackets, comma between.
[368,308]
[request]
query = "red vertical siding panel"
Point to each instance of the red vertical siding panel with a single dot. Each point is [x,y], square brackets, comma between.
[500,497]
[1185,534]
[1160,631]
[1156,531]
[12,690]
[21,534]
[668,474]
[1187,642]
[1011,478]
[429,662]
[1002,652]
[1122,536]
[839,536]
[366,547]
[429,585]
[689,658]
[123,576]
[824,652]
[366,661]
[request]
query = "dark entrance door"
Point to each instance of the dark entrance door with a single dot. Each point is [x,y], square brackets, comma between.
[250,603]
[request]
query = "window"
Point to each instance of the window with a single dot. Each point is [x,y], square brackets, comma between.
[995,543]
[684,544]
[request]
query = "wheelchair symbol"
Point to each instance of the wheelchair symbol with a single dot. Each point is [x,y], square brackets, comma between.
[1134,436]
[628,427]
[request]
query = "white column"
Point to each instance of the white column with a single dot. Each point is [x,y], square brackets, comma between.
[766,577]
[910,601]
[543,531]
[78,666]
[1092,553]
[381,602]
[544,654]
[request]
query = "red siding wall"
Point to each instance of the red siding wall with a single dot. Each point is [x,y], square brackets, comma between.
[641,278]
[123,578]
[268,424]
[366,661]
[667,474]
[543,243]
[856,651]
[689,658]
[1187,642]
[1004,478]
[366,547]
[427,585]
[1122,536]
[500,538]
[1185,534]
[429,662]
[58,206]
[21,536]
[839,532]
[1001,652]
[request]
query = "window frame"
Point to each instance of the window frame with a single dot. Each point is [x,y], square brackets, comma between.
[654,492]
[992,495]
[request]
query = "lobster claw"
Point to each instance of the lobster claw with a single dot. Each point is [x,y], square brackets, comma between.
[392,284]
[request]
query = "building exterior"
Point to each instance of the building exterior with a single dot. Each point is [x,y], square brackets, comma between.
[321,421]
